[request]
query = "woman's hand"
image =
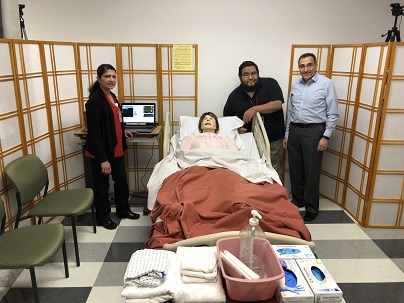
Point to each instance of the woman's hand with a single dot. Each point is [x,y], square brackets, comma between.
[129,134]
[106,168]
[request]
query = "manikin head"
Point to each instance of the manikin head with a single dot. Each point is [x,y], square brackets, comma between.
[208,122]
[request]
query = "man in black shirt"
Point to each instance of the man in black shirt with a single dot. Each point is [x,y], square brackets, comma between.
[263,95]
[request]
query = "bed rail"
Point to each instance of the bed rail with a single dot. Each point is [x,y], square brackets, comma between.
[210,240]
[261,138]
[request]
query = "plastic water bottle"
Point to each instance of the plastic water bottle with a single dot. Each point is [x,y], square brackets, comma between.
[252,245]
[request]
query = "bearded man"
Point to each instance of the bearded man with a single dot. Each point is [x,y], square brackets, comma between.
[263,95]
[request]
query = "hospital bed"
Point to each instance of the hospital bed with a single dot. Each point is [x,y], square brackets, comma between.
[255,145]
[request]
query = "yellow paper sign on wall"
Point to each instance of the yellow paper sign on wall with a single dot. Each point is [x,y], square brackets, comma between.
[182,57]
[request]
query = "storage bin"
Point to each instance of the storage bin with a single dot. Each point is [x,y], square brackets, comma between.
[251,290]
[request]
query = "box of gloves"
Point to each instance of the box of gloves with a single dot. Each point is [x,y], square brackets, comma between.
[284,252]
[293,288]
[324,287]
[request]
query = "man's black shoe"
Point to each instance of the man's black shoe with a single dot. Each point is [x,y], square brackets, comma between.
[297,203]
[131,215]
[109,224]
[309,216]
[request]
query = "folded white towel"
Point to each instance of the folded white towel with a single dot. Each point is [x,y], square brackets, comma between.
[200,274]
[200,259]
[150,300]
[147,267]
[190,279]
[163,291]
[198,292]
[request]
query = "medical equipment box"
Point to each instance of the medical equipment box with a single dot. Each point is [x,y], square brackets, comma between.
[284,252]
[293,288]
[322,284]
[251,290]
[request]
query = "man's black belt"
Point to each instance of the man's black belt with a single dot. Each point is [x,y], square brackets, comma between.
[306,125]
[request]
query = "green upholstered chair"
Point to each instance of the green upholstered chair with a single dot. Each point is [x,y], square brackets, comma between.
[30,246]
[29,176]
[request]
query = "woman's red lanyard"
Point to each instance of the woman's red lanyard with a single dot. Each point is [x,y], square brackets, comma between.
[251,100]
[115,108]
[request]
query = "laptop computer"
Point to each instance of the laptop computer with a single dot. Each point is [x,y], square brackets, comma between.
[139,117]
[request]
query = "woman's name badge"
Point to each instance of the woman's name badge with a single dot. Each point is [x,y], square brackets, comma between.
[119,113]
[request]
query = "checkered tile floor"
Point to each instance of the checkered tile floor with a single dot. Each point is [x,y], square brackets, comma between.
[368,264]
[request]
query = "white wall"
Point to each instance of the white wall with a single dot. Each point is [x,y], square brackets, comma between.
[227,31]
[10,19]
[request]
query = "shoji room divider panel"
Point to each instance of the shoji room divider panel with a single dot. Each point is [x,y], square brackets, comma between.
[344,71]
[39,112]
[11,127]
[179,86]
[363,168]
[138,75]
[44,86]
[62,96]
[384,71]
[365,131]
[140,82]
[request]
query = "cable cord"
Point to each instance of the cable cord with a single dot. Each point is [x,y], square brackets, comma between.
[147,165]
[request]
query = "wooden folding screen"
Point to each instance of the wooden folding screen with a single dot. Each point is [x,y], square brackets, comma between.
[363,168]
[39,111]
[44,88]
[385,188]
[62,97]
[179,87]
[140,78]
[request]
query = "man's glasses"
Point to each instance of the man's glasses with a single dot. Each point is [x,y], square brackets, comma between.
[247,75]
[308,65]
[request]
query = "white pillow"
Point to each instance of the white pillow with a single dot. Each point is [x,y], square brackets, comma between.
[227,126]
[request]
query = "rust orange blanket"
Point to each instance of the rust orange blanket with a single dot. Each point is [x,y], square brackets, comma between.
[200,200]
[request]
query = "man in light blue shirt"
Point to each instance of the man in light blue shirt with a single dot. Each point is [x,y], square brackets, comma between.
[312,116]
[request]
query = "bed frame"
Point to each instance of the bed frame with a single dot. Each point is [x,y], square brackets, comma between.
[262,141]
[210,240]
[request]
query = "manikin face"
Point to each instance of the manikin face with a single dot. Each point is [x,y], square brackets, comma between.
[108,80]
[249,78]
[208,124]
[307,68]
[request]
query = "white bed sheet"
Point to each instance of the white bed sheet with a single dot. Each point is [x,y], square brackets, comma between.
[250,147]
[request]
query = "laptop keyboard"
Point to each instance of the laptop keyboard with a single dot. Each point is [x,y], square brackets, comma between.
[142,130]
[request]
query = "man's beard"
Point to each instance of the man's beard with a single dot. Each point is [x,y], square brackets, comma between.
[251,88]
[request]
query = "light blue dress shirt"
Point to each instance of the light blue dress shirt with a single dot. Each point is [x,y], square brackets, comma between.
[313,102]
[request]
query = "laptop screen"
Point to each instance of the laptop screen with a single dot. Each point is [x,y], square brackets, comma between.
[139,114]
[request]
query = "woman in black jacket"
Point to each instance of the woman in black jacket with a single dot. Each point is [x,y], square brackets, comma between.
[105,146]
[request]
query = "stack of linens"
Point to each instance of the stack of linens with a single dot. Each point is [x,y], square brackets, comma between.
[150,276]
[199,265]
[199,280]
